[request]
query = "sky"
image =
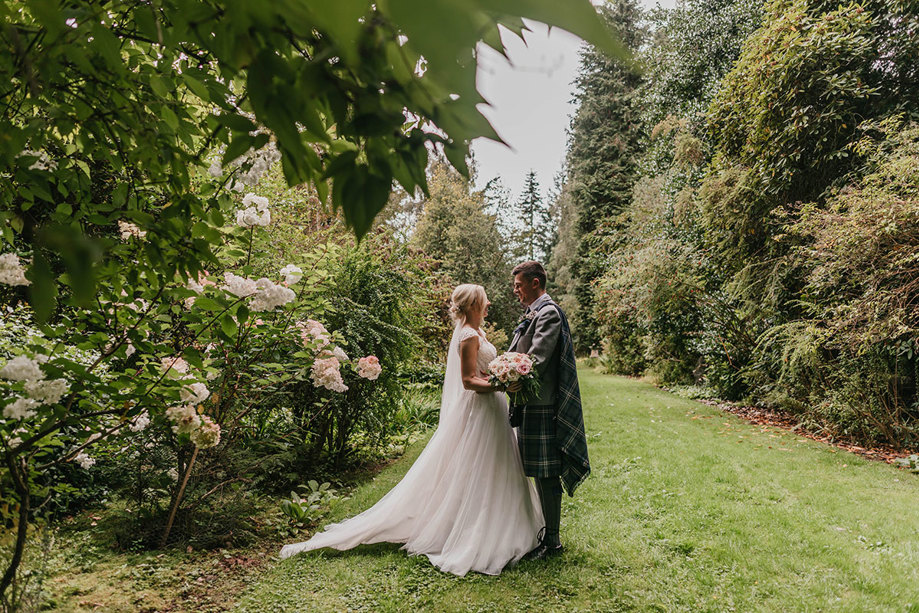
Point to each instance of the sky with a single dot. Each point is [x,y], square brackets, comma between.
[530,105]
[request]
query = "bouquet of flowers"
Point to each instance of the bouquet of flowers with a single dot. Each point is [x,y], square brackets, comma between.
[511,368]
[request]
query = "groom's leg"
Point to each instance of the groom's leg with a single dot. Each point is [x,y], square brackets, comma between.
[550,498]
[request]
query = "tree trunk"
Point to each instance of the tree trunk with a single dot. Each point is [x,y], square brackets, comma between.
[21,483]
[178,500]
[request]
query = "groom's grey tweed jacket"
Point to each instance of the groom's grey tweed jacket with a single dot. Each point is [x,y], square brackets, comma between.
[540,339]
[551,437]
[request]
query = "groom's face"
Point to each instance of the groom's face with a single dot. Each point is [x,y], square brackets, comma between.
[526,290]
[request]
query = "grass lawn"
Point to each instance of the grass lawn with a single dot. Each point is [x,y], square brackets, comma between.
[687,509]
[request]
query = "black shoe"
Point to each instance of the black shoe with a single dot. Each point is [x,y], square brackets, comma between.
[543,551]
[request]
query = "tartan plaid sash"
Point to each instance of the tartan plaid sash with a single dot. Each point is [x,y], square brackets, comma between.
[570,435]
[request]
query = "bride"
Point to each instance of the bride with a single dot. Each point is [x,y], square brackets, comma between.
[465,503]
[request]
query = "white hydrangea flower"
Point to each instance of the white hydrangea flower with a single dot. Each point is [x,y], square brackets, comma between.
[137,305]
[140,422]
[335,352]
[84,460]
[251,217]
[369,367]
[128,230]
[11,270]
[195,393]
[22,368]
[47,391]
[292,274]
[215,169]
[239,286]
[258,163]
[259,202]
[21,408]
[177,364]
[311,331]
[326,372]
[129,351]
[207,434]
[270,296]
[184,418]
[195,286]
[16,440]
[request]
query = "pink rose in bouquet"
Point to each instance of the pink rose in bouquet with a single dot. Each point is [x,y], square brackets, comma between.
[512,367]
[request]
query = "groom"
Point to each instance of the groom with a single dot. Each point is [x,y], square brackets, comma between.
[550,428]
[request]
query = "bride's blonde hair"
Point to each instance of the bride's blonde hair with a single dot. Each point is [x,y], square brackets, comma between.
[465,298]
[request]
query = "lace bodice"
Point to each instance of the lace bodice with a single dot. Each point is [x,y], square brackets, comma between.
[487,351]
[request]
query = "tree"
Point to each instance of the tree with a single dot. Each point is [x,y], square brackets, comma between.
[535,230]
[126,101]
[604,143]
[455,229]
[564,251]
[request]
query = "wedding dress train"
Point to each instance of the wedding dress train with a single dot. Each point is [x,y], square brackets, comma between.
[465,503]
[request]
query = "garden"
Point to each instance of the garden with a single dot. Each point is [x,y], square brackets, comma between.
[228,237]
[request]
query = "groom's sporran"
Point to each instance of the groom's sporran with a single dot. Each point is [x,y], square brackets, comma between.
[550,427]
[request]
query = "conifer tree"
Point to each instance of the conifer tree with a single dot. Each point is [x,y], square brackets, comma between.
[535,230]
[604,144]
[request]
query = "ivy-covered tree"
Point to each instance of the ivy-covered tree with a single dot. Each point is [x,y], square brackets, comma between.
[564,250]
[660,301]
[605,141]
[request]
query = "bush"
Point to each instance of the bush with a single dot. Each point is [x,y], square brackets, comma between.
[852,359]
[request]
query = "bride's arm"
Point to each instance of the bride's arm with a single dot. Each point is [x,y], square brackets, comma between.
[469,353]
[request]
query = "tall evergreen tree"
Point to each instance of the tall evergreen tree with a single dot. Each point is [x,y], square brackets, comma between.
[564,250]
[604,144]
[535,229]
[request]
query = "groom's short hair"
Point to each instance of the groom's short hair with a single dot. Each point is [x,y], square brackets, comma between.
[531,270]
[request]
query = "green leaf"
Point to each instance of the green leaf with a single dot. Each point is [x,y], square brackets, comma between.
[208,304]
[43,290]
[228,325]
[237,123]
[240,144]
[196,86]
[169,117]
[341,19]
[159,86]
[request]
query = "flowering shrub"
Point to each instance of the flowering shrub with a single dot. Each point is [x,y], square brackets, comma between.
[180,356]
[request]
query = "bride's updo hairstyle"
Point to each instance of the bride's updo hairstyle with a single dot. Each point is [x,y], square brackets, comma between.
[466,298]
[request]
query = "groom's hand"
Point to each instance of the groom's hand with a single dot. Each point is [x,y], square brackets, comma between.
[515,387]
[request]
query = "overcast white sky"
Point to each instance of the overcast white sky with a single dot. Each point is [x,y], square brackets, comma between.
[531,105]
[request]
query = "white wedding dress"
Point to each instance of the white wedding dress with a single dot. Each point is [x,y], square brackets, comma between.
[465,503]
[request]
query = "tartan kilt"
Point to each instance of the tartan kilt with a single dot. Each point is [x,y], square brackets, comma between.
[537,441]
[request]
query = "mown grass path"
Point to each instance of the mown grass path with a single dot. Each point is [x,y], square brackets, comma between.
[687,509]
